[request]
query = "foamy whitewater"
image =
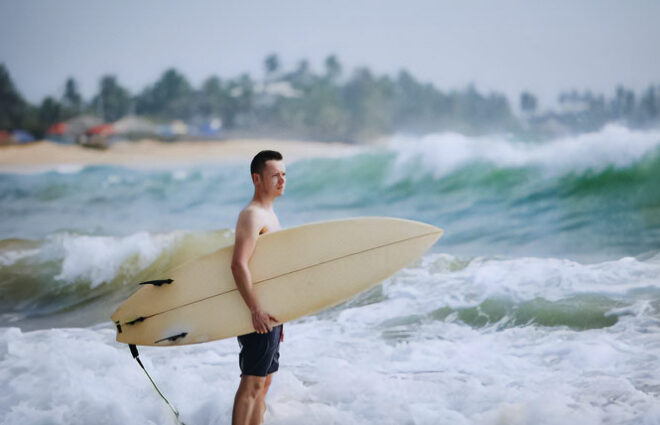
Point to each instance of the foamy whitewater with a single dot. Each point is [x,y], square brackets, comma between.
[540,305]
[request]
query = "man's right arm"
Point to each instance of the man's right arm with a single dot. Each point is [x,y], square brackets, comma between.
[247,232]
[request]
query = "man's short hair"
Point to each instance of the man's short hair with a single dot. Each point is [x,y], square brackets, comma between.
[259,161]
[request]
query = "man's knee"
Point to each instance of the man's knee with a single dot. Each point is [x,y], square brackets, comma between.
[267,383]
[253,386]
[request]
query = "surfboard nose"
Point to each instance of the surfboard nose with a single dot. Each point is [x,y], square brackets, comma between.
[421,227]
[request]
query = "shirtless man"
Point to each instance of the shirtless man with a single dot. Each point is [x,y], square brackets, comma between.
[259,350]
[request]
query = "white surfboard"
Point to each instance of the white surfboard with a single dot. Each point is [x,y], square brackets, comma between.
[295,272]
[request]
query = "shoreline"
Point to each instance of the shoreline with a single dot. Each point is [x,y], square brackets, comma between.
[46,155]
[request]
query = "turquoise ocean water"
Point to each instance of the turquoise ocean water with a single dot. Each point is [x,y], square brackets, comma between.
[541,304]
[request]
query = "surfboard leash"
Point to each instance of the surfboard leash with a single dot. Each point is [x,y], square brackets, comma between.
[136,356]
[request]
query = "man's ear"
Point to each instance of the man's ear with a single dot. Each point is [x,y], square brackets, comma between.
[256,178]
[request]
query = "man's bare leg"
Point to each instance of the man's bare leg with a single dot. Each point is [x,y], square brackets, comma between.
[260,408]
[250,400]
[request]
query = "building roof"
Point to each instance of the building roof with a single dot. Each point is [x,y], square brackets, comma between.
[100,130]
[131,124]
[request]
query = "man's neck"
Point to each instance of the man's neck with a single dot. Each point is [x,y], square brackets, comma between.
[263,201]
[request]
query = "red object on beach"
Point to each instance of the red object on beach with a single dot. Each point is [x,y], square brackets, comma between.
[101,130]
[60,128]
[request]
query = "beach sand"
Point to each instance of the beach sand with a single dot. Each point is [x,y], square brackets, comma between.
[45,155]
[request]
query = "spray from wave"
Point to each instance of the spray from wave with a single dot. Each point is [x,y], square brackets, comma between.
[612,147]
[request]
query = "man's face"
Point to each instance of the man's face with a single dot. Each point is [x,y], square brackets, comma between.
[273,177]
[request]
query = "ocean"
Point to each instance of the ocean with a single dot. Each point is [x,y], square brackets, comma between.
[540,304]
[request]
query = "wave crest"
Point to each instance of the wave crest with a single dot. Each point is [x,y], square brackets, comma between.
[445,153]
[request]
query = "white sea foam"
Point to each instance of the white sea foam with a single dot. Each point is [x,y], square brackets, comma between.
[444,280]
[441,154]
[373,361]
[180,175]
[10,257]
[69,168]
[341,373]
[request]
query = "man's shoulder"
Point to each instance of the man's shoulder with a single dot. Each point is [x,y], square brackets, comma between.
[251,214]
[251,211]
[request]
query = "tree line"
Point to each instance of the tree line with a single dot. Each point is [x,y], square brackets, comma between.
[329,105]
[586,111]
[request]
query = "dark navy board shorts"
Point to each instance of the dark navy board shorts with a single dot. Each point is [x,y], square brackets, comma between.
[260,353]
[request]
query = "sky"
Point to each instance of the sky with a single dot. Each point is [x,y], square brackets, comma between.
[544,47]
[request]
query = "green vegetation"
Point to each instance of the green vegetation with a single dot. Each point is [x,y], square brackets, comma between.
[328,105]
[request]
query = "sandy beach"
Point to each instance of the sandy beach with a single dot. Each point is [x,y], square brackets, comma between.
[45,155]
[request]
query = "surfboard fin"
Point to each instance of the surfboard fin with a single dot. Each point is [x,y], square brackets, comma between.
[172,338]
[160,282]
[138,320]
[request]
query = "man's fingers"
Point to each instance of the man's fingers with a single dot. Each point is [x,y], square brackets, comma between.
[263,328]
[263,323]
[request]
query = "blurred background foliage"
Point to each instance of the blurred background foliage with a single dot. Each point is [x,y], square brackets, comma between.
[331,105]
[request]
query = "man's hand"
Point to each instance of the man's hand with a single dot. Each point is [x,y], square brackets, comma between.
[262,321]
